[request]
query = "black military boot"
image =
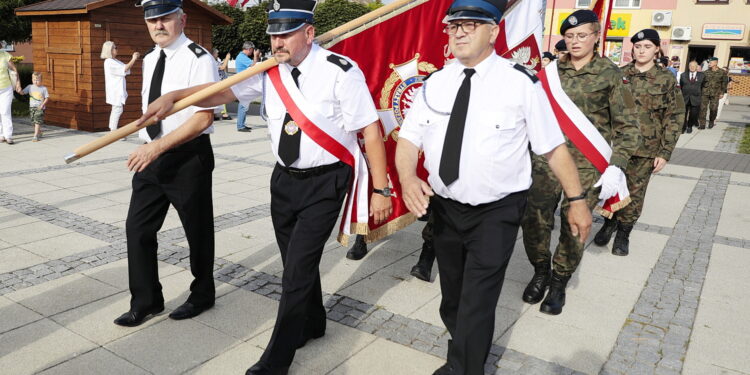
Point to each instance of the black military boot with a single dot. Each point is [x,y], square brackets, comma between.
[423,269]
[621,246]
[710,124]
[534,292]
[358,250]
[605,233]
[555,300]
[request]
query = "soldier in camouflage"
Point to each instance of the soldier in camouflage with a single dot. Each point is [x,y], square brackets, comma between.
[714,89]
[596,86]
[661,112]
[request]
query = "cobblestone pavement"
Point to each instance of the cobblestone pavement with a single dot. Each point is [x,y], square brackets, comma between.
[653,339]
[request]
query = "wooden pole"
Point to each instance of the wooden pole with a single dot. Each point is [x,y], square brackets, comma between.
[217,87]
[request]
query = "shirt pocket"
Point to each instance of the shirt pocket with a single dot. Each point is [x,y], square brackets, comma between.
[494,130]
[596,97]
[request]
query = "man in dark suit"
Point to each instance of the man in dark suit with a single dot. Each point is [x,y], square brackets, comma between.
[691,83]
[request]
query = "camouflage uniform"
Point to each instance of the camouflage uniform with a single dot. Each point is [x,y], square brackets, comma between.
[661,111]
[598,90]
[714,87]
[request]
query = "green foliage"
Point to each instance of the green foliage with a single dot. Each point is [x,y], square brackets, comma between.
[745,142]
[20,107]
[15,29]
[374,5]
[253,28]
[332,13]
[226,38]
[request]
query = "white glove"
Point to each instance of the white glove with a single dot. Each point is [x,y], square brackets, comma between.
[611,180]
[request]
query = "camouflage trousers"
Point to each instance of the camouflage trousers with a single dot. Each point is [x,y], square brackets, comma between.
[638,174]
[539,218]
[708,102]
[37,115]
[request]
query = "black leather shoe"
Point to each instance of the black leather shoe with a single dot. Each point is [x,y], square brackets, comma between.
[358,250]
[555,300]
[245,129]
[261,368]
[711,125]
[445,369]
[605,233]
[423,269]
[227,117]
[534,291]
[690,130]
[188,310]
[621,246]
[136,318]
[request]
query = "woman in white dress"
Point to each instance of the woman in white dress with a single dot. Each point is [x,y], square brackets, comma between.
[114,80]
[6,96]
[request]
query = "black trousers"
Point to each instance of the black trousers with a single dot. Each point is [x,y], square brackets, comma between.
[304,211]
[473,245]
[692,113]
[181,177]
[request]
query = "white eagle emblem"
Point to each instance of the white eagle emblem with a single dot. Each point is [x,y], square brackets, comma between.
[640,35]
[573,20]
[276,5]
[522,56]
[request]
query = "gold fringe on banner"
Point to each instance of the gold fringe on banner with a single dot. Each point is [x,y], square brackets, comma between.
[379,233]
[615,207]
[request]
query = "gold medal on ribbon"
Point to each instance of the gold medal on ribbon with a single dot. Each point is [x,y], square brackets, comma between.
[291,128]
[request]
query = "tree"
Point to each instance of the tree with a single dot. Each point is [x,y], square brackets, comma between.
[226,38]
[15,29]
[332,13]
[253,27]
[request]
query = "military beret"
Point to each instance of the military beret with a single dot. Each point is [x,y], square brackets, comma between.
[578,18]
[285,16]
[646,34]
[548,55]
[561,46]
[487,10]
[158,8]
[713,58]
[664,60]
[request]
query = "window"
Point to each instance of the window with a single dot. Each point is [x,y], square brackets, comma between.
[586,3]
[627,4]
[7,47]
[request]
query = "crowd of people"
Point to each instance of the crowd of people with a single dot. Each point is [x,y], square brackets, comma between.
[497,160]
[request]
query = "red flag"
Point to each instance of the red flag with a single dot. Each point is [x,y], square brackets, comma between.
[232,3]
[604,17]
[395,56]
[243,2]
[520,37]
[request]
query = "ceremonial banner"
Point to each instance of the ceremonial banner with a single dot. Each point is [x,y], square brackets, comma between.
[521,30]
[604,16]
[395,56]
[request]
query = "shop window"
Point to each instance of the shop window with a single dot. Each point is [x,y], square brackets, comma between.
[586,3]
[613,50]
[630,4]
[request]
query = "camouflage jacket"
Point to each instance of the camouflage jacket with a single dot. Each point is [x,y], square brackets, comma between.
[661,109]
[599,92]
[716,82]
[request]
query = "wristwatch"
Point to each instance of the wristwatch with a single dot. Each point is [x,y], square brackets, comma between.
[386,192]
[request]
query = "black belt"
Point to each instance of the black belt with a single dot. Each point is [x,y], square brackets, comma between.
[310,172]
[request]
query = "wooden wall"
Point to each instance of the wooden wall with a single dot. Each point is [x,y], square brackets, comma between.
[67,50]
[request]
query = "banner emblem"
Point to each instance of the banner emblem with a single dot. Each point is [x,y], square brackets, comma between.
[399,91]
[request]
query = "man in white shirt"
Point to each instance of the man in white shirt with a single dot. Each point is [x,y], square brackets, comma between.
[475,119]
[315,102]
[174,167]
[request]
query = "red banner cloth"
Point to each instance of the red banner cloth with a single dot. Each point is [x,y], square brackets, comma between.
[395,56]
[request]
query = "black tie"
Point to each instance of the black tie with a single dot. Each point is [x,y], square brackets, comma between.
[454,135]
[692,77]
[155,92]
[290,135]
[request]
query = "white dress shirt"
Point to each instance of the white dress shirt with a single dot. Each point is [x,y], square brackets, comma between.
[342,96]
[506,112]
[114,81]
[182,69]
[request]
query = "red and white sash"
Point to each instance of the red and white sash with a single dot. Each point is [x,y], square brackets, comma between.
[315,125]
[583,134]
